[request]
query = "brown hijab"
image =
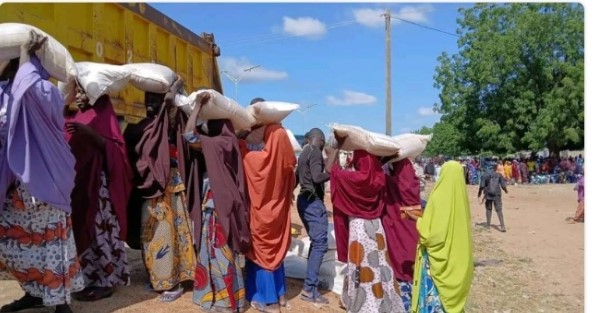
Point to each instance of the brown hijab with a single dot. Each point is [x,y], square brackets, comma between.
[227,179]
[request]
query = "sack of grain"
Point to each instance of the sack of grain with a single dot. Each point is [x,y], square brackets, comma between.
[98,79]
[151,77]
[269,112]
[411,145]
[360,139]
[55,58]
[218,107]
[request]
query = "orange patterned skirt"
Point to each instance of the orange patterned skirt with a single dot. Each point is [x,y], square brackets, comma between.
[37,248]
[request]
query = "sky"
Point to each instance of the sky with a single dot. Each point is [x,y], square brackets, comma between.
[329,58]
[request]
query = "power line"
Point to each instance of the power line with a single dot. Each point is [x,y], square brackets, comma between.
[426,27]
[284,35]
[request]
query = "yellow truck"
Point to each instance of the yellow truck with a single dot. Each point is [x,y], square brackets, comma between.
[120,33]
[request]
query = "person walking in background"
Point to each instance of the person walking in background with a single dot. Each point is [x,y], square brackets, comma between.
[491,186]
[443,269]
[523,170]
[579,216]
[37,246]
[515,172]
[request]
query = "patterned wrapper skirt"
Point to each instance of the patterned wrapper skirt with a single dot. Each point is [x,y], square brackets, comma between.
[218,279]
[105,262]
[37,248]
[429,298]
[370,282]
[167,243]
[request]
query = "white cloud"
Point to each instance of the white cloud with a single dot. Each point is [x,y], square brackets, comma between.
[352,98]
[417,14]
[426,111]
[236,67]
[371,17]
[304,27]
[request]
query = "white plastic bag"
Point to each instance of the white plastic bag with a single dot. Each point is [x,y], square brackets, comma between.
[151,77]
[55,58]
[218,107]
[360,139]
[99,79]
[268,112]
[412,145]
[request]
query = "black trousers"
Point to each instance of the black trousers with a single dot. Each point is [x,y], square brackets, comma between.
[497,204]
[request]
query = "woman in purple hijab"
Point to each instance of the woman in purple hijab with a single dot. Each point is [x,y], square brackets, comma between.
[36,179]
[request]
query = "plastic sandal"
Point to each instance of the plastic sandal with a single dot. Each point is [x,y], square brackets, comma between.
[171,296]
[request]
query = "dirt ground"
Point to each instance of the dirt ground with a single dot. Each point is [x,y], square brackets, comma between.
[537,266]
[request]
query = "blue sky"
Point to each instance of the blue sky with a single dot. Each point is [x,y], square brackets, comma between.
[329,55]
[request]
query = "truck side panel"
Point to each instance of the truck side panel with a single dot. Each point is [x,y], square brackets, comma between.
[123,33]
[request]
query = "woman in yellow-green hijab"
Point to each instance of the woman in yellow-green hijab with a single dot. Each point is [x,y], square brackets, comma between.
[444,264]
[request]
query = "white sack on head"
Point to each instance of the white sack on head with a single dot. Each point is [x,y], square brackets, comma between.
[219,107]
[151,77]
[412,145]
[98,79]
[361,139]
[269,112]
[55,58]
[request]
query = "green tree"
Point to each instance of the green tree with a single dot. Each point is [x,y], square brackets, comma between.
[518,79]
[445,140]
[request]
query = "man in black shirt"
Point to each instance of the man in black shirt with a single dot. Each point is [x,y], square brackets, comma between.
[491,185]
[312,210]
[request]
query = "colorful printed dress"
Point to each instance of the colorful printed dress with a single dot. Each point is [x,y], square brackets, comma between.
[429,298]
[370,283]
[167,241]
[218,277]
[105,263]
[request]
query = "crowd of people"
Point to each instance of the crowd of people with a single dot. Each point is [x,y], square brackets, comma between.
[534,170]
[204,206]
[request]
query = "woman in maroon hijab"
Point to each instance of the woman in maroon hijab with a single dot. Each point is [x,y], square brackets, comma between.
[102,185]
[403,196]
[358,202]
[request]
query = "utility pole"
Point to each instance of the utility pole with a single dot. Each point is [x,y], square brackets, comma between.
[388,73]
[236,80]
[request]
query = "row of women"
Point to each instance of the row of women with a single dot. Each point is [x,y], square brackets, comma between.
[399,258]
[69,180]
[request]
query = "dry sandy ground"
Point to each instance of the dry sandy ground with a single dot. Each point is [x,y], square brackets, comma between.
[537,266]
